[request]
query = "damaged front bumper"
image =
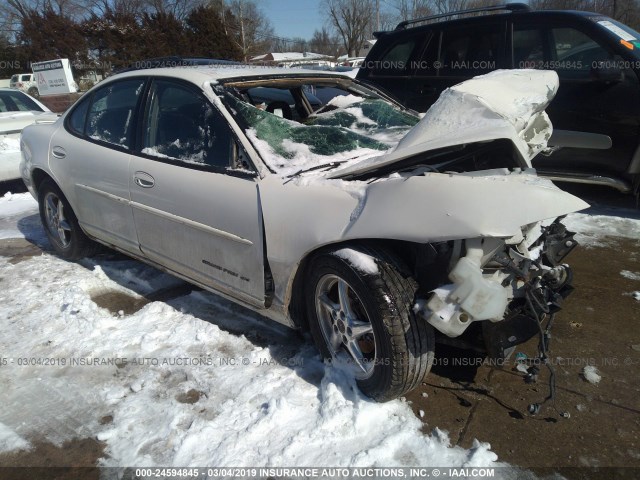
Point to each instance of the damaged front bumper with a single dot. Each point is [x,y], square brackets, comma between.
[510,285]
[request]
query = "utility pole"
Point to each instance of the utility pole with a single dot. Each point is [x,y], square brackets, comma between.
[244,45]
[378,15]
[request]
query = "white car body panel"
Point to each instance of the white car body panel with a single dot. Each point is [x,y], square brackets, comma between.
[219,247]
[96,182]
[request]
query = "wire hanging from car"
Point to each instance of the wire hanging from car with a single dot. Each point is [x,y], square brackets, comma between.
[543,357]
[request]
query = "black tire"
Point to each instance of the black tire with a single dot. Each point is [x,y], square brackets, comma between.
[404,344]
[33,91]
[68,240]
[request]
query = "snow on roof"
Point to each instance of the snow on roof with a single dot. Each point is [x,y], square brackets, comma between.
[207,73]
[287,57]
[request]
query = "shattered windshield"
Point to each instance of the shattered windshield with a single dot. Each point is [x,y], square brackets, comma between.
[347,127]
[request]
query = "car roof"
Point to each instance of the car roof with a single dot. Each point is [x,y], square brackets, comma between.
[9,89]
[428,22]
[207,73]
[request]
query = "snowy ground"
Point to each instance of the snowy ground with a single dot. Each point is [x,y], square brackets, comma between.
[193,381]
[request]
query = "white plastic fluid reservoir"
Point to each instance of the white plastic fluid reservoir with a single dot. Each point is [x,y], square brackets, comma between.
[481,298]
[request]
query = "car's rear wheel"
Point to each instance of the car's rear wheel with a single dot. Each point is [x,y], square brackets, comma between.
[361,317]
[61,225]
[33,91]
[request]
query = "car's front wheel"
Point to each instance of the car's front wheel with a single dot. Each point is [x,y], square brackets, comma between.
[61,225]
[359,305]
[33,91]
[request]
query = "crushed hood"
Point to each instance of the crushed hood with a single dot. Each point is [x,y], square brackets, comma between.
[505,104]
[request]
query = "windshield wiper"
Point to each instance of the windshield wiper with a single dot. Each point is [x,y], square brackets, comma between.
[317,167]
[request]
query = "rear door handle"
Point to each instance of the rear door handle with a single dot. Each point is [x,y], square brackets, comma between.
[58,152]
[143,179]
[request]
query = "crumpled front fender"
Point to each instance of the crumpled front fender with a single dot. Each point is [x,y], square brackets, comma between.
[439,207]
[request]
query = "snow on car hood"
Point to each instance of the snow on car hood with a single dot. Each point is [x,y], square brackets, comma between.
[505,104]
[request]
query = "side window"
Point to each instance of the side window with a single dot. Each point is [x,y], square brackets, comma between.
[568,51]
[110,117]
[78,116]
[182,125]
[528,48]
[428,63]
[576,53]
[396,60]
[470,51]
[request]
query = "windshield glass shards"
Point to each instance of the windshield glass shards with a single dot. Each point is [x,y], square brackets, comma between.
[347,127]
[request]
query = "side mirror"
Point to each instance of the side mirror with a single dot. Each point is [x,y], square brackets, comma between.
[608,75]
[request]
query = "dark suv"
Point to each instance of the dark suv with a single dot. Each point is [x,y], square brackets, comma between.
[596,58]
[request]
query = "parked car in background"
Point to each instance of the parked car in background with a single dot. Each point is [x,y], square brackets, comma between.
[25,82]
[596,58]
[17,110]
[359,221]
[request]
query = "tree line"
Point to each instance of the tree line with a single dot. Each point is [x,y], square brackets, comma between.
[105,35]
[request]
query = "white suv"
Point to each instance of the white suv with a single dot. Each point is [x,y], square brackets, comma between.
[25,82]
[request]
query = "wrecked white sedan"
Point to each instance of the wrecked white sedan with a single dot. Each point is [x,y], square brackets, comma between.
[358,220]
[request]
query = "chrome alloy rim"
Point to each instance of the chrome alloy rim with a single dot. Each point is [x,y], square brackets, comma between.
[57,224]
[345,325]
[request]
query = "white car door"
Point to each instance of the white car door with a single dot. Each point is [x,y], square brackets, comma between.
[90,157]
[192,212]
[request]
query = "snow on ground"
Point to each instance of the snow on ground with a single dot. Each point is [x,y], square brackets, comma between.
[593,229]
[591,374]
[18,215]
[630,275]
[193,381]
[9,441]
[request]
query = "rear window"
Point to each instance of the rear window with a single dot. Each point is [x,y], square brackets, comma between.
[26,78]
[17,102]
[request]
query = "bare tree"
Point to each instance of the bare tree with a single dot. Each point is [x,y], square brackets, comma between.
[126,7]
[14,12]
[247,25]
[351,19]
[325,43]
[178,8]
[409,9]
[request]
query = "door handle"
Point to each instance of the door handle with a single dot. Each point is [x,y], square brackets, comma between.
[143,179]
[58,152]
